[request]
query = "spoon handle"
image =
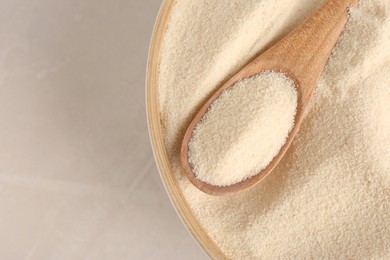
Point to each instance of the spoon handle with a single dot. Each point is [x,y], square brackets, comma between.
[317,37]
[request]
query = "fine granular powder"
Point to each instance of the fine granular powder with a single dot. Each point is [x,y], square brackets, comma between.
[244,129]
[330,195]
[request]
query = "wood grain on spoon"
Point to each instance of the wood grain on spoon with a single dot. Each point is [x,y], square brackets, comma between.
[301,55]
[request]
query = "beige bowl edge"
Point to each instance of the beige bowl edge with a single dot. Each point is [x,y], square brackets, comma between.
[157,140]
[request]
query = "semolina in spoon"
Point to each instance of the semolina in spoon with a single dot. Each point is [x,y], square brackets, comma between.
[300,57]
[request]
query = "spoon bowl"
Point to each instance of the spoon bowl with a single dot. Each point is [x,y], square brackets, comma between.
[301,56]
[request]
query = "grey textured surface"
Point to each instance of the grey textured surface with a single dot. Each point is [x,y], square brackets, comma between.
[77,175]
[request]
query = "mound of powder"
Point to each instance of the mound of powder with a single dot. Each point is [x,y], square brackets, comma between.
[329,198]
[244,129]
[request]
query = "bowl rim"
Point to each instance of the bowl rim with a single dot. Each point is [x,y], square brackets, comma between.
[160,154]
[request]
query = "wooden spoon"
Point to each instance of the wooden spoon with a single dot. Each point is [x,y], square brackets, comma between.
[302,56]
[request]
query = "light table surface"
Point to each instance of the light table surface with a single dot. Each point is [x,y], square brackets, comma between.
[77,175]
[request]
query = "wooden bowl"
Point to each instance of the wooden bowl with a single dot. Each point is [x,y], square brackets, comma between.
[157,140]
